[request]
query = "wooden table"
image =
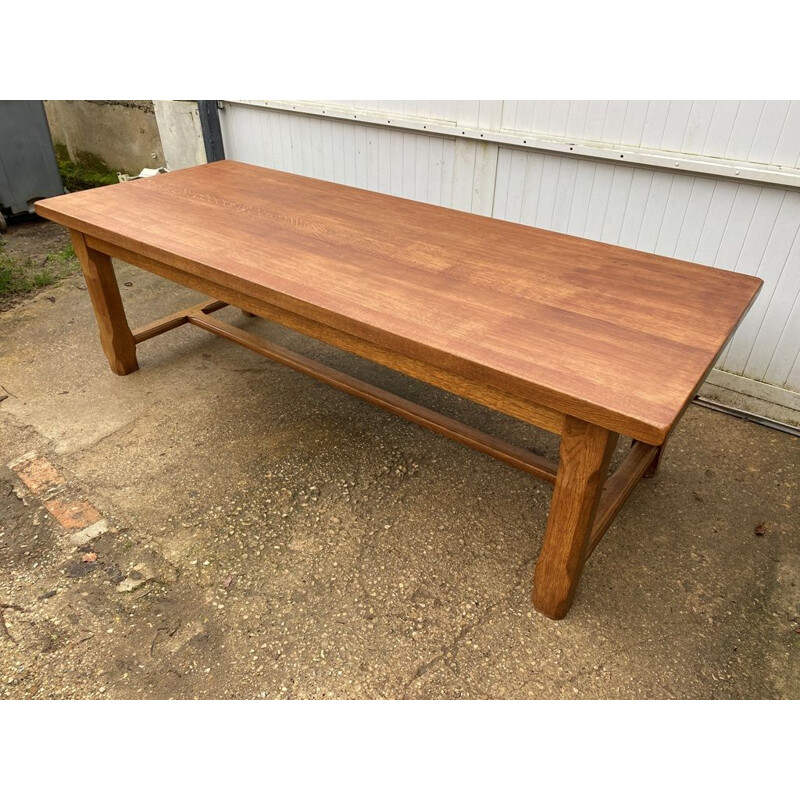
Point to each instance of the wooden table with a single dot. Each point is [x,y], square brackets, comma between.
[583,339]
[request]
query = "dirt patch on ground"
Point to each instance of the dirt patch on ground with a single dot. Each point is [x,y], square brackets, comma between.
[107,613]
[35,255]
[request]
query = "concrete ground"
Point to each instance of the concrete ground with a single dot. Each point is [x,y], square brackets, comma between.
[268,536]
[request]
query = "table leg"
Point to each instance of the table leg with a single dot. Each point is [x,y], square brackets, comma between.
[584,457]
[651,470]
[115,334]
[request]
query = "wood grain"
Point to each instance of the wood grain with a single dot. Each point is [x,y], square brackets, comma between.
[101,282]
[616,337]
[584,457]
[172,321]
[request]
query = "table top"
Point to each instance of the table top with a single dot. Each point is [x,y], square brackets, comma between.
[615,336]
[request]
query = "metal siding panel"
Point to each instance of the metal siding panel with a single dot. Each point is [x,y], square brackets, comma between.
[694,219]
[361,156]
[635,206]
[559,114]
[374,171]
[738,225]
[565,191]
[764,253]
[265,138]
[396,172]
[436,171]
[409,162]
[463,174]
[785,289]
[548,185]
[679,193]
[468,113]
[793,381]
[576,120]
[633,127]
[655,123]
[653,216]
[439,110]
[674,132]
[523,116]
[787,153]
[451,110]
[244,142]
[697,126]
[490,115]
[484,179]
[744,129]
[348,153]
[508,119]
[716,222]
[595,119]
[614,121]
[236,138]
[530,197]
[384,145]
[502,184]
[598,202]
[768,131]
[448,167]
[329,161]
[422,158]
[617,203]
[268,139]
[584,181]
[311,157]
[720,129]
[779,369]
[287,160]
[541,115]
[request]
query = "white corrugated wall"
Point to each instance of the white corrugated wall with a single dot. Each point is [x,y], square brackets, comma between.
[717,183]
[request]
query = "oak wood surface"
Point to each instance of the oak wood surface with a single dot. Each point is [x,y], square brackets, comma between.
[616,337]
[584,456]
[116,338]
[175,320]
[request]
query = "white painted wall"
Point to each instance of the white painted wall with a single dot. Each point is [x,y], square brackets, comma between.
[472,163]
[181,133]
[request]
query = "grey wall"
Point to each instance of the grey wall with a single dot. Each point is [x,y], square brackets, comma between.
[123,133]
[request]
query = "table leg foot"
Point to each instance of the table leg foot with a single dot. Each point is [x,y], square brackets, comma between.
[115,333]
[585,454]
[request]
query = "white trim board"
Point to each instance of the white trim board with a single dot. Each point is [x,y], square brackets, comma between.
[787,178]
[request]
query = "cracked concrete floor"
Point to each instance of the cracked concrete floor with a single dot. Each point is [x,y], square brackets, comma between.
[282,539]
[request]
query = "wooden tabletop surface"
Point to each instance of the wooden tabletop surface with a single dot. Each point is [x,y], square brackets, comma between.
[615,336]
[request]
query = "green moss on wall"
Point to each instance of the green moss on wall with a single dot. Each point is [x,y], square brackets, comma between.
[86,172]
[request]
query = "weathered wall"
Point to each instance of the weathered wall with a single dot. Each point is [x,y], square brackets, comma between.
[123,133]
[181,133]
